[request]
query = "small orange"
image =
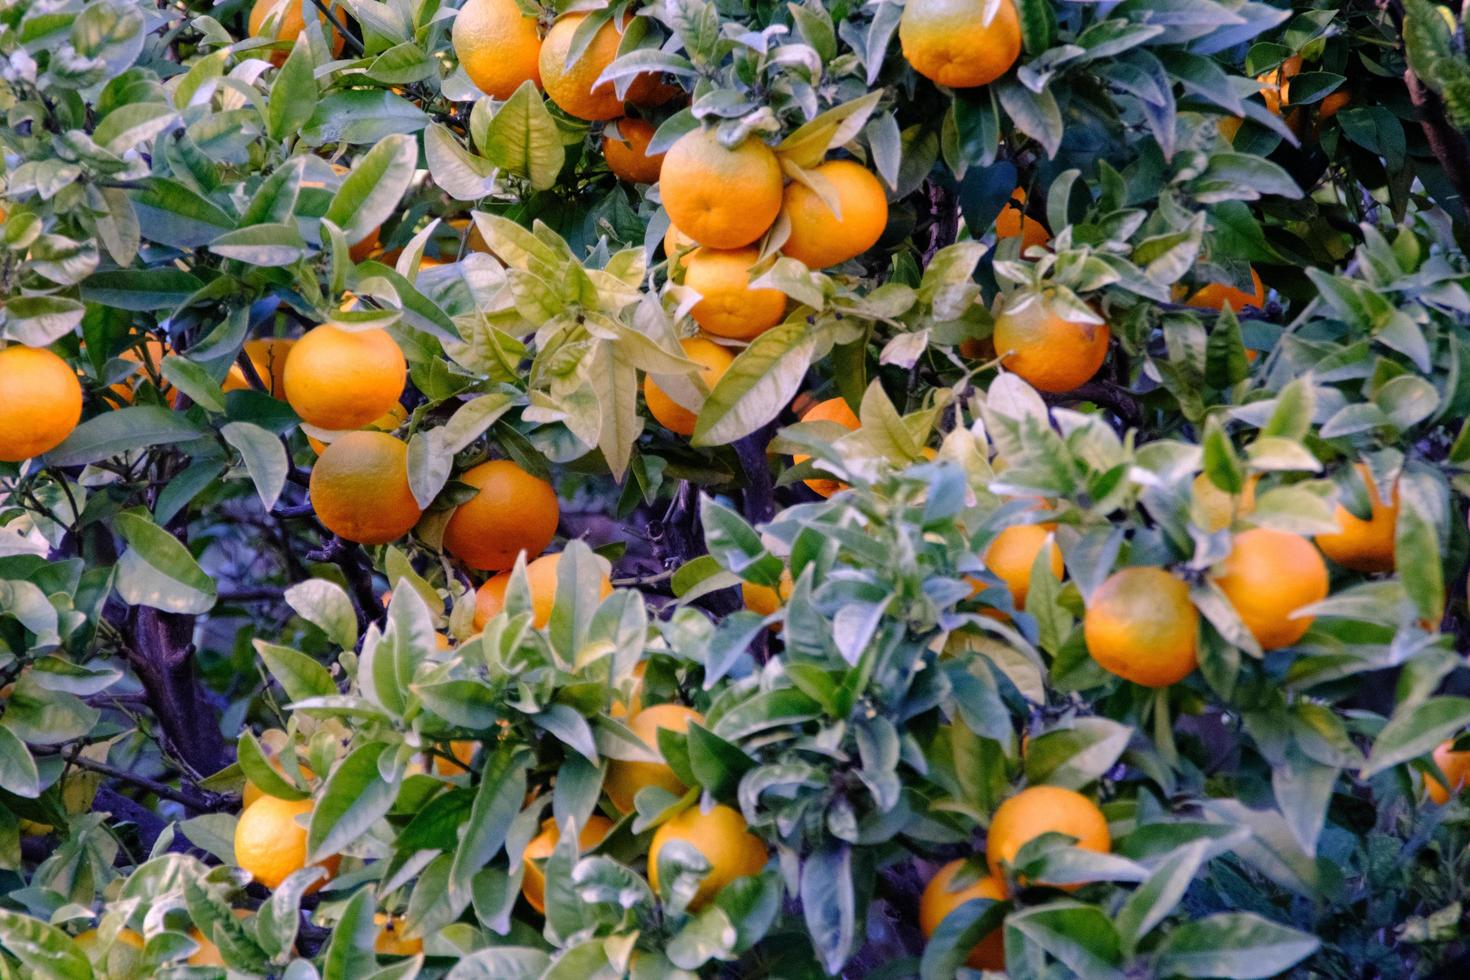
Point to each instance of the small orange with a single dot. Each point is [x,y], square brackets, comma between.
[1218,295]
[949,41]
[462,750]
[40,402]
[718,196]
[940,898]
[713,361]
[1267,577]
[821,238]
[627,154]
[497,45]
[1364,546]
[724,839]
[1047,351]
[390,940]
[541,577]
[268,358]
[1141,626]
[1039,810]
[830,410]
[572,87]
[541,847]
[1455,766]
[626,777]
[343,379]
[1013,552]
[359,488]
[514,511]
[765,600]
[1014,222]
[270,844]
[730,307]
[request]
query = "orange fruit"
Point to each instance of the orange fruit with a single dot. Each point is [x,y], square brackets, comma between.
[1219,508]
[390,940]
[724,839]
[713,360]
[387,422]
[364,247]
[150,363]
[1049,352]
[1218,295]
[1267,577]
[268,358]
[571,87]
[541,576]
[1364,546]
[941,898]
[949,42]
[533,881]
[498,47]
[821,238]
[359,488]
[272,741]
[1014,222]
[1039,810]
[1332,104]
[290,20]
[1455,766]
[1013,552]
[626,777]
[720,197]
[627,154]
[513,512]
[730,307]
[270,844]
[463,750]
[40,402]
[1141,626]
[764,600]
[831,410]
[340,379]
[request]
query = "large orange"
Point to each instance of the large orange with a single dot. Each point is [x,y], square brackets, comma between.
[627,154]
[343,379]
[821,238]
[40,402]
[1014,222]
[949,42]
[572,87]
[720,197]
[290,21]
[626,777]
[713,361]
[541,577]
[359,488]
[831,410]
[941,898]
[1364,546]
[513,512]
[1049,352]
[1267,577]
[1220,509]
[1141,626]
[270,844]
[498,47]
[1455,766]
[1013,552]
[730,307]
[1039,810]
[533,882]
[724,839]
[268,358]
[1219,295]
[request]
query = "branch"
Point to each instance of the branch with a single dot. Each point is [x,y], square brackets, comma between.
[758,498]
[198,802]
[944,213]
[1119,401]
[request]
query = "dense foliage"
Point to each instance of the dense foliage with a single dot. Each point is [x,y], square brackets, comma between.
[942,498]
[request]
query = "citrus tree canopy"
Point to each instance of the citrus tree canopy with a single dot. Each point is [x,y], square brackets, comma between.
[725,488]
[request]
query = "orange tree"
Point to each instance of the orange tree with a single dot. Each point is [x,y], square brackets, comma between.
[694,489]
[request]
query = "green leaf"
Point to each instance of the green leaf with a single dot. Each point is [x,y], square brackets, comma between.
[350,953]
[264,456]
[39,321]
[293,95]
[1035,114]
[123,430]
[354,798]
[523,139]
[171,213]
[300,676]
[256,766]
[18,772]
[1080,936]
[1416,730]
[158,571]
[133,126]
[1236,945]
[1155,899]
[1078,754]
[370,192]
[362,116]
[325,604]
[755,389]
[830,904]
[263,245]
[457,171]
[44,950]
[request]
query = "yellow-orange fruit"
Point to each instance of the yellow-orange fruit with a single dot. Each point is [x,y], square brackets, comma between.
[498,47]
[340,379]
[1039,810]
[573,87]
[1049,352]
[359,488]
[729,306]
[720,197]
[1221,509]
[1013,552]
[463,751]
[271,845]
[290,21]
[1218,295]
[390,940]
[626,777]
[713,361]
[1455,766]
[40,402]
[765,600]
[941,898]
[949,42]
[1267,577]
[1014,222]
[533,881]
[1141,626]
[513,512]
[831,410]
[541,577]
[1364,546]
[821,238]
[722,836]
[627,154]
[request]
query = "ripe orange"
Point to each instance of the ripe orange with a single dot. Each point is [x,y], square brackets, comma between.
[1218,295]
[714,361]
[340,379]
[1364,546]
[40,402]
[498,47]
[1049,352]
[513,512]
[389,421]
[1277,83]
[720,197]
[463,750]
[1039,810]
[148,355]
[268,358]
[764,600]
[724,839]
[821,238]
[390,941]
[290,21]
[541,576]
[533,882]
[940,898]
[627,154]
[1267,577]
[1014,222]
[1455,766]
[949,42]
[831,410]
[626,777]
[730,307]
[271,845]
[1332,104]
[1220,509]
[572,87]
[1141,626]
[359,488]
[1014,551]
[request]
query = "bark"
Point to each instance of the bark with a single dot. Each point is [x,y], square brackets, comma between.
[162,655]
